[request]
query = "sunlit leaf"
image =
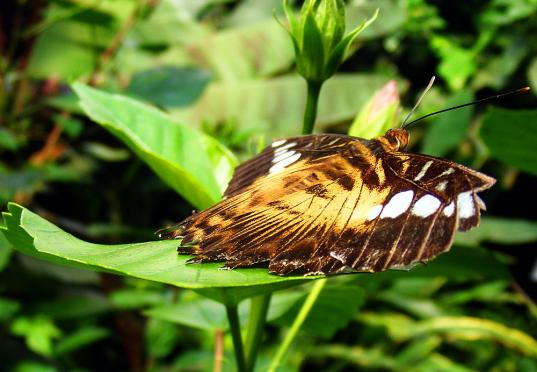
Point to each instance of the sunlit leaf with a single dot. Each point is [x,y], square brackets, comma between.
[157,261]
[164,144]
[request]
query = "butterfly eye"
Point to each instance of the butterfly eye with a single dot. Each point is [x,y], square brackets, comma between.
[398,138]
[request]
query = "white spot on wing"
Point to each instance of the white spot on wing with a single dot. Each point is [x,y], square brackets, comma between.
[284,148]
[449,209]
[279,166]
[281,156]
[447,172]
[465,204]
[441,186]
[374,212]
[398,204]
[423,170]
[425,206]
[278,143]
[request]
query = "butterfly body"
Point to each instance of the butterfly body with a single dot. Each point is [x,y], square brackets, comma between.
[324,204]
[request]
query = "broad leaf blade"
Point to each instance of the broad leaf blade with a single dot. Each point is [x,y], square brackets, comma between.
[157,261]
[169,86]
[270,106]
[511,137]
[197,166]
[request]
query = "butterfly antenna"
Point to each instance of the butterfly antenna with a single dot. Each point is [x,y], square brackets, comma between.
[429,86]
[513,92]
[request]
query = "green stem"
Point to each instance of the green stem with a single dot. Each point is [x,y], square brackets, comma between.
[297,324]
[256,324]
[310,113]
[235,328]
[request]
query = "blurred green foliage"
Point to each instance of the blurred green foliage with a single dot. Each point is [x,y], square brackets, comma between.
[177,91]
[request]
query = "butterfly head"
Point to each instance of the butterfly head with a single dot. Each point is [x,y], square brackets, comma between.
[395,139]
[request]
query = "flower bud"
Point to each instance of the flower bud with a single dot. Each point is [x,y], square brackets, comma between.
[319,37]
[379,114]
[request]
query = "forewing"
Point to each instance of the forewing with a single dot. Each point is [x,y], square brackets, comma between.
[274,159]
[284,212]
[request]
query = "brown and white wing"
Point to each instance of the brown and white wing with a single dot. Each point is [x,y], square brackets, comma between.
[287,206]
[440,198]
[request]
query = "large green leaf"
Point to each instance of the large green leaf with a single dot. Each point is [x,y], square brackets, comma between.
[169,86]
[274,106]
[511,137]
[157,261]
[500,231]
[194,164]
[251,51]
[71,37]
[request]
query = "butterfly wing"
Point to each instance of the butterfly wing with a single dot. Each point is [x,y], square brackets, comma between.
[426,200]
[328,203]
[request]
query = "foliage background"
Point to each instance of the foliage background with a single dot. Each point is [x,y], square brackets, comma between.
[225,68]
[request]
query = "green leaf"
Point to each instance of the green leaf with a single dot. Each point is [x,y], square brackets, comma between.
[402,328]
[8,308]
[130,298]
[447,131]
[169,86]
[8,140]
[39,332]
[161,337]
[5,251]
[476,328]
[245,52]
[31,366]
[202,314]
[164,144]
[373,358]
[79,339]
[500,231]
[532,74]
[458,265]
[511,137]
[157,261]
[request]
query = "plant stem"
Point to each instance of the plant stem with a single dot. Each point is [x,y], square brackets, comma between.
[297,324]
[310,113]
[235,328]
[256,324]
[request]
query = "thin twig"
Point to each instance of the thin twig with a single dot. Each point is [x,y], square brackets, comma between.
[218,350]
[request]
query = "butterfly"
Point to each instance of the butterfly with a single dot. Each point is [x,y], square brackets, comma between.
[327,204]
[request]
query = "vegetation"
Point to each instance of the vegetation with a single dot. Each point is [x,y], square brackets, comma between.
[120,117]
